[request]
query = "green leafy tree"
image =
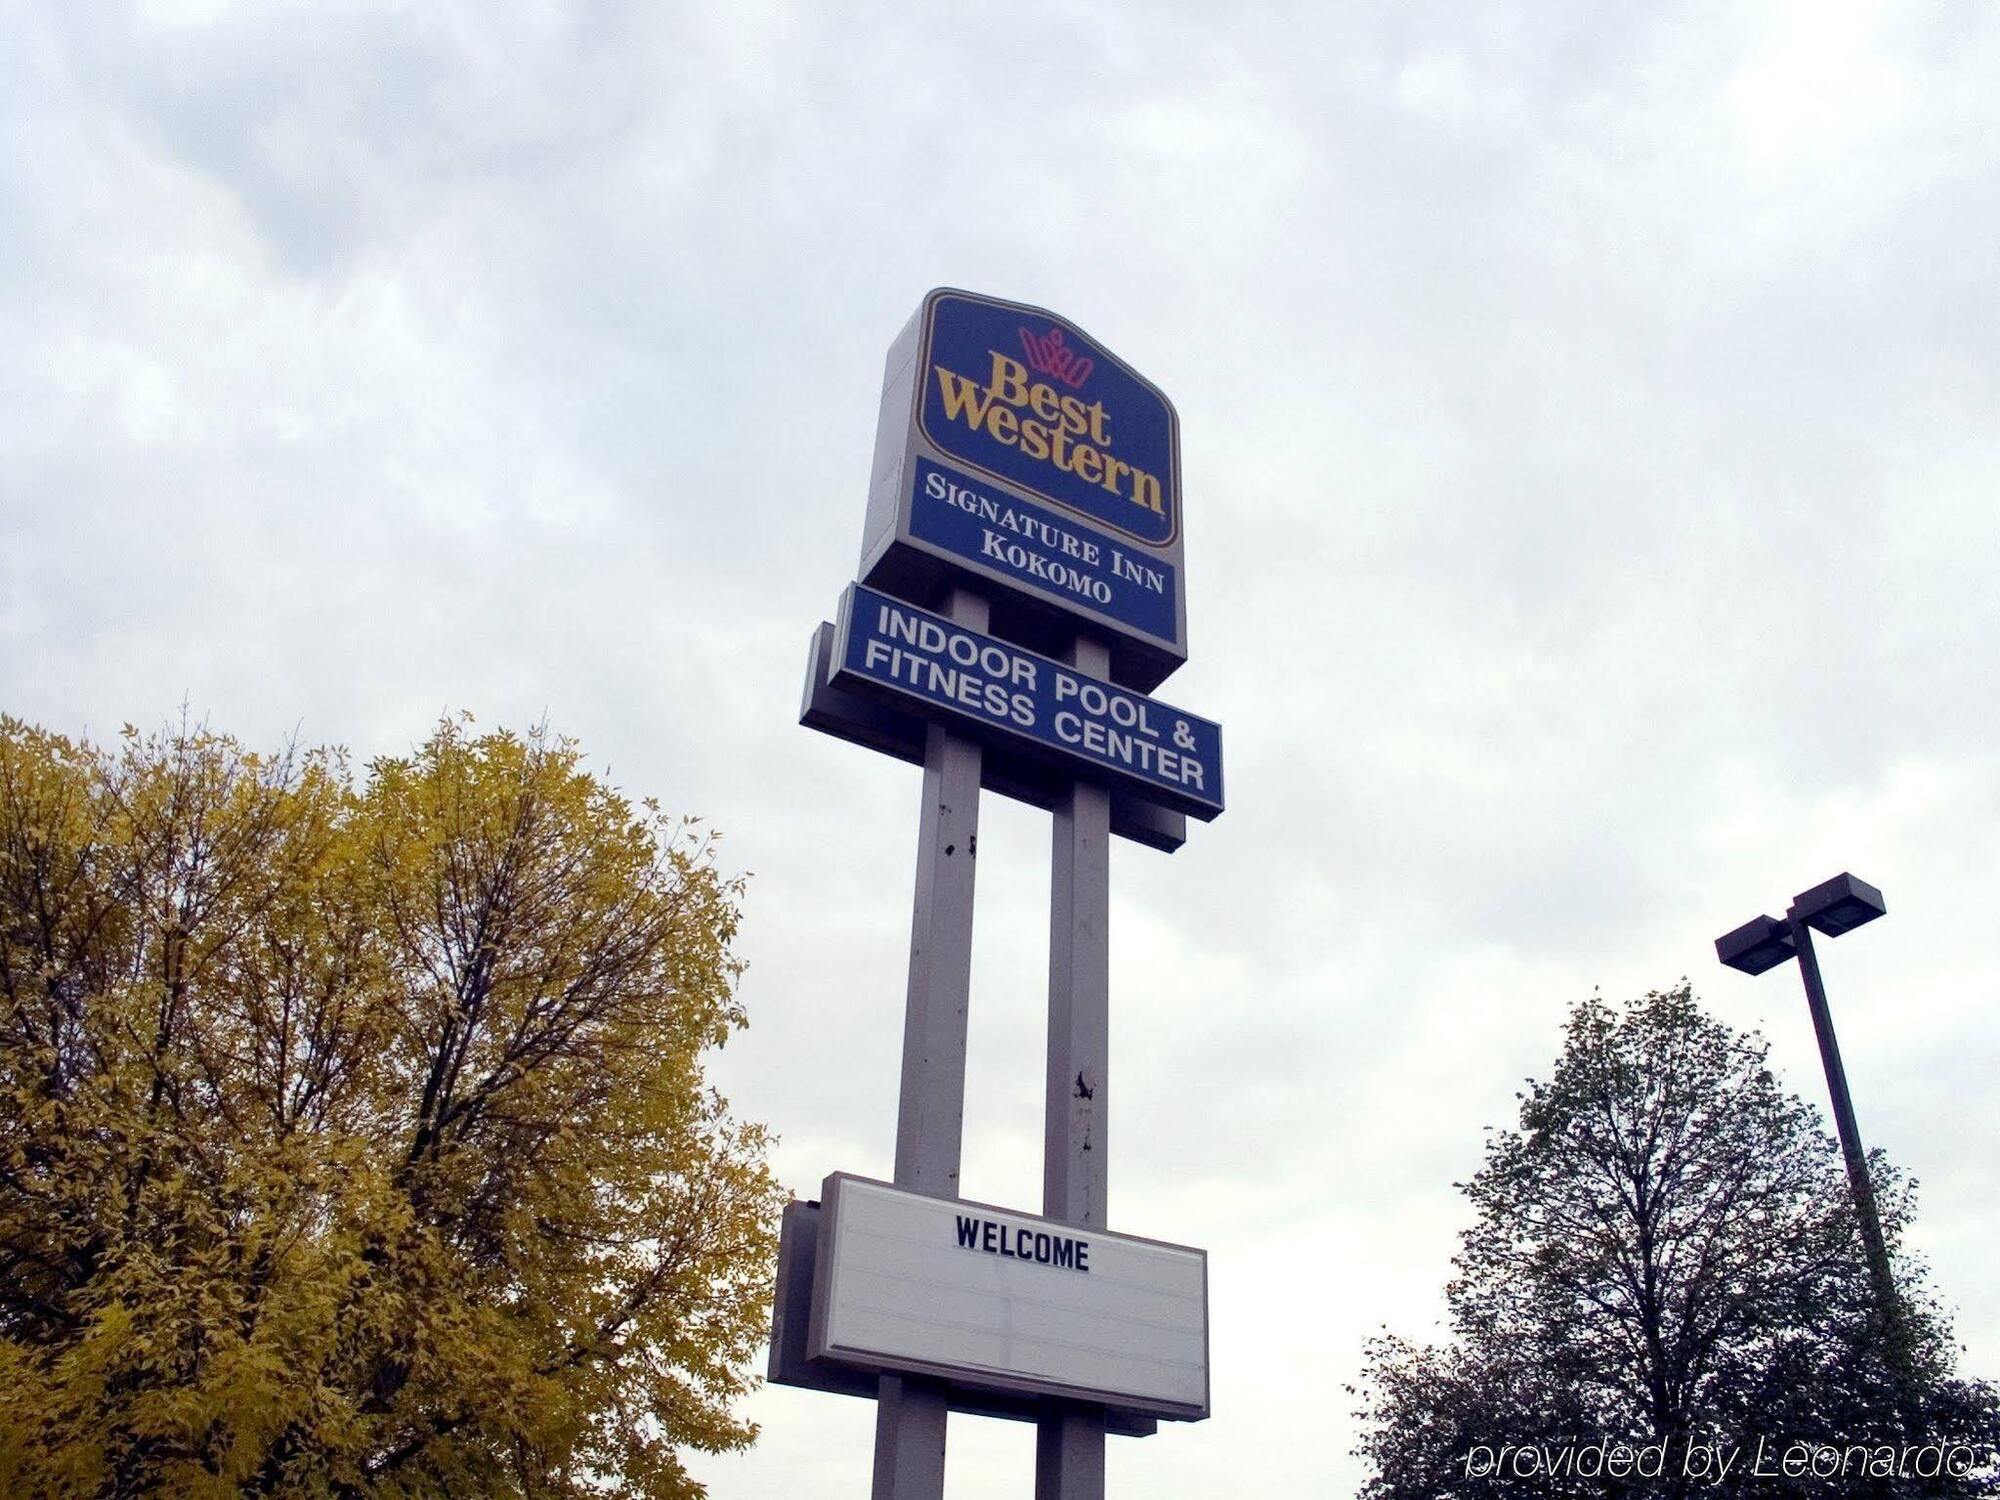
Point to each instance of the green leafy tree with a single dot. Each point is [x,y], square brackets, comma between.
[354,1138]
[1665,1255]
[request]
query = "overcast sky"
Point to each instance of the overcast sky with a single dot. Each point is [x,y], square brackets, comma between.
[1588,416]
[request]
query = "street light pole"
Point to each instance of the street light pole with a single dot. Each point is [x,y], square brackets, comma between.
[1850,1133]
[1834,906]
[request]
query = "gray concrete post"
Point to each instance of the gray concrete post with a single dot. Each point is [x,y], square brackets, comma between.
[930,1112]
[1069,1438]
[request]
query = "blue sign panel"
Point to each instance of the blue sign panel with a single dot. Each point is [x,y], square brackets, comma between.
[997,690]
[1025,399]
[1043,549]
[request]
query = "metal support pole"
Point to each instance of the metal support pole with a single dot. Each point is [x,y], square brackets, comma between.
[930,1111]
[1069,1437]
[1850,1148]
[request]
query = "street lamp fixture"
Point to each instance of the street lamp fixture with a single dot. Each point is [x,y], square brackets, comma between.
[1759,944]
[1839,905]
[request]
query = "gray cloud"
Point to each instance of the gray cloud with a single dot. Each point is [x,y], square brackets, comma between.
[1589,453]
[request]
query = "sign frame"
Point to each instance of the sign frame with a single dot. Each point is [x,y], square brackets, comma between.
[1205,804]
[819,1348]
[876,723]
[788,1363]
[915,544]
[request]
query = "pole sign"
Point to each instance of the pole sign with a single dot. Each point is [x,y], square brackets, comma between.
[1020,596]
[998,691]
[1015,450]
[905,1282]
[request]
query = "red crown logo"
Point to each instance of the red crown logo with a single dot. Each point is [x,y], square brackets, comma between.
[1049,355]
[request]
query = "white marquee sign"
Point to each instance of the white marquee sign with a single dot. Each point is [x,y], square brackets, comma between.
[908,1282]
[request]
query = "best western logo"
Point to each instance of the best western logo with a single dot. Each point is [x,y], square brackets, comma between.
[1044,424]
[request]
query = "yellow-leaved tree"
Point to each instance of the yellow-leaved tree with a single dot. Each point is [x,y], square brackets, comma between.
[354,1138]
